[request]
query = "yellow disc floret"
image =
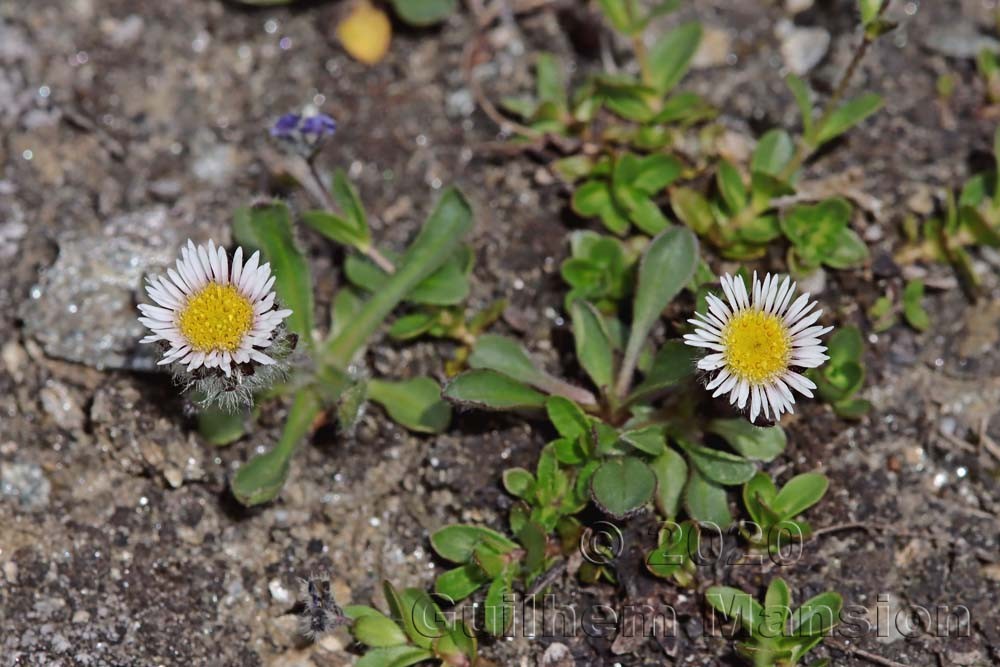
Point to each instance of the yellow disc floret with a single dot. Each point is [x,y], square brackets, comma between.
[757,346]
[216,318]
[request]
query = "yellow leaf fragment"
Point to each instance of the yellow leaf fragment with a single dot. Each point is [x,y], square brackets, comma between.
[365,33]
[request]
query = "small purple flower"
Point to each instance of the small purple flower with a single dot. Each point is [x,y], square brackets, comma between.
[286,125]
[319,125]
[303,134]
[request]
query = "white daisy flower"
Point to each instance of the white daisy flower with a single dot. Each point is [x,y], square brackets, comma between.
[213,315]
[755,340]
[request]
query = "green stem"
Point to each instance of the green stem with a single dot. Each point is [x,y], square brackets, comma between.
[805,146]
[306,406]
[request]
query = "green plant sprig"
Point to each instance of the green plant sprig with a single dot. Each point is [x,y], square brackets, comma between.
[327,387]
[777,636]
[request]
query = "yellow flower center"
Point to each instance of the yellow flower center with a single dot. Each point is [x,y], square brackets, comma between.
[757,346]
[216,318]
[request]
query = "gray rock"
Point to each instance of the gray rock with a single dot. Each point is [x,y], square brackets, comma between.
[714,49]
[959,40]
[60,403]
[84,310]
[802,48]
[24,484]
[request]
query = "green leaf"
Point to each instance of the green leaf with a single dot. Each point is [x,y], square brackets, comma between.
[507,356]
[773,152]
[499,609]
[764,188]
[684,108]
[269,229]
[913,307]
[413,325]
[855,408]
[673,363]
[415,403]
[848,115]
[671,472]
[261,478]
[849,251]
[335,228]
[753,442]
[492,390]
[815,230]
[622,486]
[447,286]
[627,104]
[661,9]
[641,210]
[549,81]
[572,168]
[617,13]
[676,545]
[758,495]
[656,172]
[803,98]
[666,267]
[394,656]
[378,630]
[706,502]
[424,12]
[718,466]
[670,57]
[593,199]
[219,427]
[692,209]
[846,344]
[569,420]
[869,10]
[435,244]
[350,203]
[346,305]
[416,612]
[736,605]
[799,494]
[593,349]
[459,583]
[457,542]
[518,482]
[650,439]
[817,615]
[777,607]
[731,187]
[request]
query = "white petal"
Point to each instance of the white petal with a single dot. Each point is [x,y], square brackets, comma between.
[721,377]
[261,358]
[237,269]
[223,266]
[796,308]
[726,387]
[806,321]
[744,393]
[799,383]
[711,361]
[249,273]
[754,402]
[727,287]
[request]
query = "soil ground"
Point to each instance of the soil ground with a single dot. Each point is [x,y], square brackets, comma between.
[133,125]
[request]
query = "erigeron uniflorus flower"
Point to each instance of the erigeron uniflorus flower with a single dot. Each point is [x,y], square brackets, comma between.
[218,322]
[756,340]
